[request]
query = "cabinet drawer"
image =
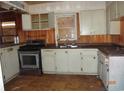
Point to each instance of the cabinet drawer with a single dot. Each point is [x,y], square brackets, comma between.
[89,52]
[48,50]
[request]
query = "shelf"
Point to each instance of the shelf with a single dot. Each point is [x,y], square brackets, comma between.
[40,21]
[7,35]
[44,21]
[65,27]
[34,22]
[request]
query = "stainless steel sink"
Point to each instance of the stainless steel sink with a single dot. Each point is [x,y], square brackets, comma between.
[62,46]
[68,46]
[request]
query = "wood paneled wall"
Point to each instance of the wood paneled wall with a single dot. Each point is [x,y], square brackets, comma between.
[122,31]
[47,35]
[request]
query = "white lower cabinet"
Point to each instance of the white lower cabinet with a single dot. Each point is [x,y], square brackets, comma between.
[103,69]
[61,60]
[111,71]
[90,64]
[74,63]
[10,63]
[71,61]
[105,76]
[48,61]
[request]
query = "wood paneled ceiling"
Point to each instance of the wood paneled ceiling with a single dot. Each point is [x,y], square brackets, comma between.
[39,2]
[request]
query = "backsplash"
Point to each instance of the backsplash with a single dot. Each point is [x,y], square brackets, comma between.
[47,35]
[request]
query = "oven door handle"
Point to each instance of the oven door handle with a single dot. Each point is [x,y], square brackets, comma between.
[29,52]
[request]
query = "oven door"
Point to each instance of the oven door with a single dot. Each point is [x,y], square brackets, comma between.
[29,59]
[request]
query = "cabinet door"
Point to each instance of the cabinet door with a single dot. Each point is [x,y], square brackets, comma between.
[1,78]
[113,10]
[74,60]
[90,20]
[11,63]
[120,6]
[115,27]
[48,60]
[85,22]
[105,72]
[90,64]
[100,68]
[61,60]
[14,61]
[51,20]
[108,19]
[98,22]
[7,66]
[26,22]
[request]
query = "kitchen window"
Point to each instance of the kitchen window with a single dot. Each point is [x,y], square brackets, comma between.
[65,26]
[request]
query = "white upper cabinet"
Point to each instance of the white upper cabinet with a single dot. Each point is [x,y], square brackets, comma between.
[37,21]
[116,10]
[85,22]
[107,19]
[114,27]
[26,22]
[113,11]
[120,8]
[98,22]
[51,20]
[92,22]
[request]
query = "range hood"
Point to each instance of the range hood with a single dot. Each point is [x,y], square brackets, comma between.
[13,5]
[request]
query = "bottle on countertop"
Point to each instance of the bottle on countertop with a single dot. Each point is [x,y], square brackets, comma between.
[17,40]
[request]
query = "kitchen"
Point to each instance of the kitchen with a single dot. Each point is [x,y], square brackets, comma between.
[62,45]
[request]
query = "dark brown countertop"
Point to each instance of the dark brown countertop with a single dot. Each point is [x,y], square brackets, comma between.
[9,45]
[108,49]
[112,51]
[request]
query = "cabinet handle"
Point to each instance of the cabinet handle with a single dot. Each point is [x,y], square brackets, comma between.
[108,70]
[81,69]
[55,53]
[81,58]
[1,54]
[66,51]
[56,68]
[10,49]
[94,57]
[80,53]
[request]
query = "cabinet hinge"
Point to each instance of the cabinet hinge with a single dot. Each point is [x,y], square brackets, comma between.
[107,86]
[94,57]
[81,57]
[108,70]
[80,53]
[66,51]
[81,69]
[56,68]
[4,77]
[55,53]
